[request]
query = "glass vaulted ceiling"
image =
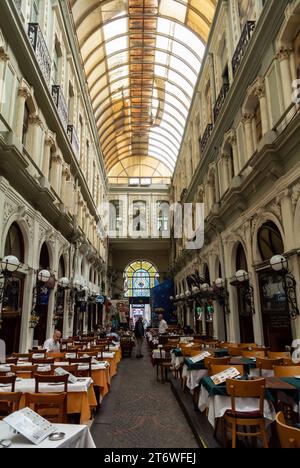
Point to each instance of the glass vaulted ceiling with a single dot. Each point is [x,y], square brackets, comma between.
[142,59]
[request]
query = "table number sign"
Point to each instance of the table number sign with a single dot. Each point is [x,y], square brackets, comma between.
[30,425]
[220,378]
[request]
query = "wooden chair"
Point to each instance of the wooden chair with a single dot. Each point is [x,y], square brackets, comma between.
[84,361]
[253,354]
[289,436]
[38,351]
[24,372]
[247,345]
[233,351]
[286,371]
[12,360]
[27,356]
[11,380]
[164,364]
[73,369]
[213,361]
[267,364]
[45,361]
[216,369]
[9,403]
[290,362]
[52,406]
[53,379]
[233,418]
[275,355]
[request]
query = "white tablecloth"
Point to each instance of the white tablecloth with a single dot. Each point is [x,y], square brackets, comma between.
[28,386]
[156,354]
[76,437]
[44,368]
[176,361]
[218,405]
[193,377]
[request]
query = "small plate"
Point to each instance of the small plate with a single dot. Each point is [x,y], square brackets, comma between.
[297,377]
[56,436]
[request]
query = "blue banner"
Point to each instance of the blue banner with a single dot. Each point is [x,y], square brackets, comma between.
[160,302]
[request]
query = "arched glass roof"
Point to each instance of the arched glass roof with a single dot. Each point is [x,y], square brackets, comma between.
[142,59]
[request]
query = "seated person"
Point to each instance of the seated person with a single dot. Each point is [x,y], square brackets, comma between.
[53,344]
[187,330]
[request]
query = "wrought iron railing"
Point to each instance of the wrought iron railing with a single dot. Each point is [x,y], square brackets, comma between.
[206,136]
[61,105]
[221,99]
[72,134]
[242,45]
[41,50]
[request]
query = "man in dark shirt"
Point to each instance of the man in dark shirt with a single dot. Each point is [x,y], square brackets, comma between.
[139,333]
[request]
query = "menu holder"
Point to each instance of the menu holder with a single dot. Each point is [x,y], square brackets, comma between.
[220,378]
[38,356]
[61,371]
[200,357]
[30,425]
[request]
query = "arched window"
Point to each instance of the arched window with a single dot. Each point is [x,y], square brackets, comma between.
[139,278]
[25,124]
[270,242]
[163,213]
[44,257]
[206,274]
[241,259]
[139,216]
[14,244]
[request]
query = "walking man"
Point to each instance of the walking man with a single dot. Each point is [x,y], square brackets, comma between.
[139,333]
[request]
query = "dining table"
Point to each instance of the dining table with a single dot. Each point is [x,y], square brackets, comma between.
[75,436]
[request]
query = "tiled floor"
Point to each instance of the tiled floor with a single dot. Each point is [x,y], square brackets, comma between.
[140,412]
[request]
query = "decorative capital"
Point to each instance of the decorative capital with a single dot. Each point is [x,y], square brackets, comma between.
[247,118]
[56,158]
[284,53]
[4,57]
[24,92]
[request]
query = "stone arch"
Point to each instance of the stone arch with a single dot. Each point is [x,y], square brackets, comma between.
[262,220]
[23,226]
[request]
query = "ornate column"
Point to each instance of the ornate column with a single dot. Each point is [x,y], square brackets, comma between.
[287,212]
[23,95]
[225,158]
[55,172]
[260,92]
[49,145]
[247,121]
[235,153]
[36,126]
[283,55]
[64,178]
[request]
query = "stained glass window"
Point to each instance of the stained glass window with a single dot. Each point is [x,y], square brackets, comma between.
[139,278]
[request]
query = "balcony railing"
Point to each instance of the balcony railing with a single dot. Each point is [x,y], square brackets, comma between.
[205,138]
[61,105]
[41,50]
[242,45]
[221,100]
[72,134]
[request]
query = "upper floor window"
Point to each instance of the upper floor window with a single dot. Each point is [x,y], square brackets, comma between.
[258,123]
[35,12]
[25,124]
[56,72]
[208,104]
[139,216]
[163,213]
[115,215]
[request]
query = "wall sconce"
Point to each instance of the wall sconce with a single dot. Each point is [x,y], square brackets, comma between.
[279,264]
[243,277]
[9,266]
[222,294]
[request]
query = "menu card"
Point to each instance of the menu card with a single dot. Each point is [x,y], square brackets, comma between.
[61,371]
[220,378]
[199,357]
[30,425]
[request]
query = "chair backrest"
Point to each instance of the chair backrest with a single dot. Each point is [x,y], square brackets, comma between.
[246,389]
[87,361]
[235,351]
[290,362]
[216,369]
[9,403]
[254,354]
[27,356]
[38,351]
[286,371]
[267,364]
[73,369]
[209,361]
[47,361]
[51,406]
[275,355]
[51,379]
[12,360]
[24,372]
[11,380]
[247,345]
[289,437]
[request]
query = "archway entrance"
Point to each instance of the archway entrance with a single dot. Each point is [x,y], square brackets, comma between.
[274,306]
[139,278]
[13,294]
